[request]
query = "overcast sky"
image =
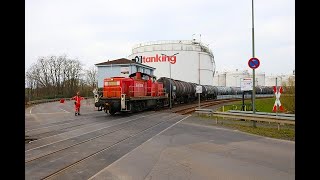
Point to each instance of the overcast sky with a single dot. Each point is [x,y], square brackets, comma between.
[94,31]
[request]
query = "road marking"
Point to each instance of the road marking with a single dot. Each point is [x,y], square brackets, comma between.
[86,132]
[31,109]
[138,147]
[269,138]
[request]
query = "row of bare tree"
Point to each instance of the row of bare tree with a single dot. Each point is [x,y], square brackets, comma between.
[59,76]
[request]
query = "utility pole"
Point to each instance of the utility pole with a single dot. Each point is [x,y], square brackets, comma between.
[170,91]
[253,70]
[199,79]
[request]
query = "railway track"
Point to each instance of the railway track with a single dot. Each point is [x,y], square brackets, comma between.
[78,148]
[54,128]
[187,109]
[191,108]
[64,157]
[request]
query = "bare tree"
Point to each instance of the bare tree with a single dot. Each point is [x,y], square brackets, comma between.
[91,76]
[54,75]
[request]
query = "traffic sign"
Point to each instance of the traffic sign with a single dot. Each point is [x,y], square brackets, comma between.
[246,84]
[198,89]
[277,102]
[254,63]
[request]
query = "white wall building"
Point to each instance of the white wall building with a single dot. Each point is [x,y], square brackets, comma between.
[120,68]
[271,80]
[233,78]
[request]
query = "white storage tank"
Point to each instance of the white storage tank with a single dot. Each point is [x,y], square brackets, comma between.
[215,79]
[271,80]
[260,79]
[286,78]
[187,59]
[222,79]
[233,78]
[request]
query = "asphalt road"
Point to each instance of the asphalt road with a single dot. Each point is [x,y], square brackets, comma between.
[146,145]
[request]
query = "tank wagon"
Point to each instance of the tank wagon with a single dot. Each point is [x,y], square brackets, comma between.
[185,92]
[181,92]
[264,89]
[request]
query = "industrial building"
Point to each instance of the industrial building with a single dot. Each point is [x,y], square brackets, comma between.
[233,78]
[185,60]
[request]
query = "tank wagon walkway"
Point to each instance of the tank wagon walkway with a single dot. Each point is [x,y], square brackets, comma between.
[147,145]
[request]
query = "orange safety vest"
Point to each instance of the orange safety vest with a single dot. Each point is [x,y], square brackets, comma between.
[78,99]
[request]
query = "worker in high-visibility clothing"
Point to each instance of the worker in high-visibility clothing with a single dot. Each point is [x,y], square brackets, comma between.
[77,103]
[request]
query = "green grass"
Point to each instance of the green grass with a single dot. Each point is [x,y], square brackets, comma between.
[266,129]
[283,133]
[262,105]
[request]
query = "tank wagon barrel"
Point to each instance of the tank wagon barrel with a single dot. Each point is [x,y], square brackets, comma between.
[184,92]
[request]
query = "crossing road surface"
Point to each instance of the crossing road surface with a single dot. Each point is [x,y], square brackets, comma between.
[147,145]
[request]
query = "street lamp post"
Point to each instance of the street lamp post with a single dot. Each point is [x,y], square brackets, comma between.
[170,78]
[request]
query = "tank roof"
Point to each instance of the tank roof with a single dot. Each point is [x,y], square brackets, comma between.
[203,46]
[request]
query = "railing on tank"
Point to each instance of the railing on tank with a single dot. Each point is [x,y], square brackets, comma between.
[161,93]
[116,91]
[134,90]
[150,91]
[112,91]
[189,42]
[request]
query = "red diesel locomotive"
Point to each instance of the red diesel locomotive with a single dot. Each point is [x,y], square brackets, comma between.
[138,92]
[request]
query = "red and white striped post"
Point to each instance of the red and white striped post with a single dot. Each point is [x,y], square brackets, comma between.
[277,102]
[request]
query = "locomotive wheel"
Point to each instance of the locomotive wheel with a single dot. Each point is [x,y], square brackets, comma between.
[112,112]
